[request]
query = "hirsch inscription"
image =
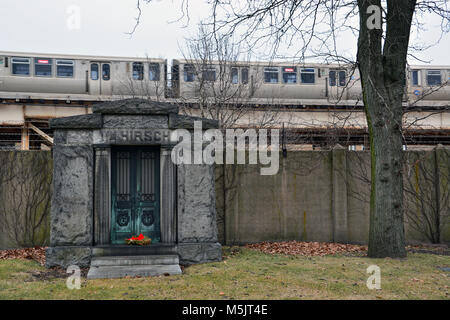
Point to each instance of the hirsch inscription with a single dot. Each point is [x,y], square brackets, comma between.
[135,136]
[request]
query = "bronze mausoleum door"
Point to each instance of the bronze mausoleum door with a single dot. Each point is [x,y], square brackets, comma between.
[135,193]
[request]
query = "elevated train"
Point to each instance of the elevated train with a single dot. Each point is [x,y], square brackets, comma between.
[306,98]
[97,78]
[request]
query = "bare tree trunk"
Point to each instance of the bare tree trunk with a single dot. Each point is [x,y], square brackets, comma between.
[386,234]
[382,67]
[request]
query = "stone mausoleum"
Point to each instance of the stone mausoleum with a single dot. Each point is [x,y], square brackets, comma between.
[114,178]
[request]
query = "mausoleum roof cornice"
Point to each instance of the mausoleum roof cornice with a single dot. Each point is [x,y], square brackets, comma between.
[132,114]
[84,121]
[135,106]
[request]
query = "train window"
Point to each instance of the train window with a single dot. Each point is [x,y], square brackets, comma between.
[337,77]
[64,68]
[290,75]
[332,76]
[43,67]
[94,71]
[154,72]
[6,62]
[270,75]
[307,75]
[175,72]
[209,74]
[342,78]
[434,77]
[189,72]
[106,71]
[138,71]
[234,75]
[21,66]
[244,75]
[165,72]
[415,77]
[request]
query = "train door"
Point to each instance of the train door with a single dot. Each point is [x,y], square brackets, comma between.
[100,78]
[106,87]
[337,83]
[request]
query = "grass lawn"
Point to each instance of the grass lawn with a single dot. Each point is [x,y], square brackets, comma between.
[249,274]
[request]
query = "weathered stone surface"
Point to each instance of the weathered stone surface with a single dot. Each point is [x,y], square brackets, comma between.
[102,199]
[111,272]
[84,121]
[71,212]
[67,256]
[73,136]
[140,265]
[135,122]
[79,137]
[196,204]
[135,106]
[125,250]
[169,199]
[139,260]
[177,121]
[60,137]
[191,253]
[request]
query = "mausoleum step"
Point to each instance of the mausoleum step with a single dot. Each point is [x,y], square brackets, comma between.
[126,250]
[134,260]
[108,272]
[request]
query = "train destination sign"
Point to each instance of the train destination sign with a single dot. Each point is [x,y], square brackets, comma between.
[137,136]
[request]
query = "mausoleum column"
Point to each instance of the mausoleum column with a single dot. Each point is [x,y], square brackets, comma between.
[168,196]
[102,197]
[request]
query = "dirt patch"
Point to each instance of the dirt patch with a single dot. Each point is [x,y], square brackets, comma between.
[55,273]
[36,253]
[325,248]
[308,248]
[439,249]
[229,252]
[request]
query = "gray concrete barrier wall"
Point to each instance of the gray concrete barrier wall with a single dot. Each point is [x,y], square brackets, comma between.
[324,196]
[25,193]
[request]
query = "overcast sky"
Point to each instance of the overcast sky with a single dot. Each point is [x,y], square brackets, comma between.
[47,26]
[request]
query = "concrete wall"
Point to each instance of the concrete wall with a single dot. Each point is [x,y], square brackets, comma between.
[25,193]
[324,196]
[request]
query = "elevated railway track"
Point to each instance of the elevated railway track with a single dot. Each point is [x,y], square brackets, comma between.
[317,104]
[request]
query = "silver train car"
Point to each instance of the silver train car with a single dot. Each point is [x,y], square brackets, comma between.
[300,85]
[76,77]
[264,83]
[97,78]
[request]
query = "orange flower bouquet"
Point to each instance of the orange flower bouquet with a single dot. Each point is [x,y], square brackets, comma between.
[140,240]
